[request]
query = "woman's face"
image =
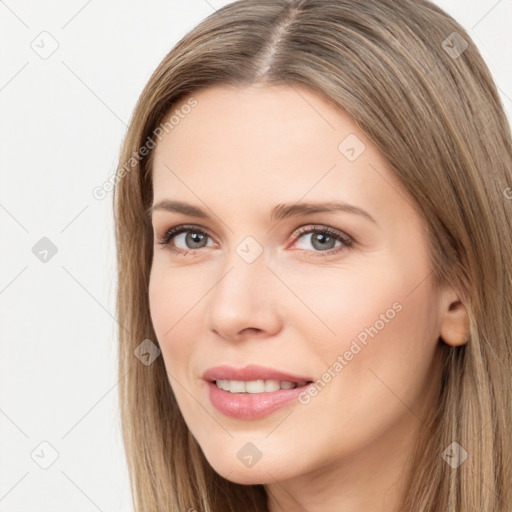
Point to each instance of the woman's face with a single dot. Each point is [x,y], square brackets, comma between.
[258,281]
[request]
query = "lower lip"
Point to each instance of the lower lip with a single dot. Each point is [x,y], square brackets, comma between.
[250,406]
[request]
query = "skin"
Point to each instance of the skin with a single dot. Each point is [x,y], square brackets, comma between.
[240,152]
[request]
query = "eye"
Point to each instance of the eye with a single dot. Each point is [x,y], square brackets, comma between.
[193,237]
[321,238]
[324,240]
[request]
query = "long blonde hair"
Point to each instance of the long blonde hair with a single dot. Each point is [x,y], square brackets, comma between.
[414,82]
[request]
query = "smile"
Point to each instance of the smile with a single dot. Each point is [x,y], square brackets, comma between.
[256,386]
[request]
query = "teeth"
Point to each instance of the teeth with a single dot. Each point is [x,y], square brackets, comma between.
[255,386]
[272,385]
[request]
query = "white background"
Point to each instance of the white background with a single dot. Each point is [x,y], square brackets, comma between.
[63,121]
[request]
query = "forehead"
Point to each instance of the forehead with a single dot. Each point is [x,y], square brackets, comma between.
[282,118]
[270,144]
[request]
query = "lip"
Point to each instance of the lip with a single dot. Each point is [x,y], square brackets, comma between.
[250,406]
[250,372]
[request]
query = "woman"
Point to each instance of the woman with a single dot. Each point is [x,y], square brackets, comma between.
[314,253]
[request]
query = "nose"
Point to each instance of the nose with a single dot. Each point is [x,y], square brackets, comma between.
[245,301]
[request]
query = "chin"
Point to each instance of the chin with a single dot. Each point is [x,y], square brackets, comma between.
[247,476]
[245,471]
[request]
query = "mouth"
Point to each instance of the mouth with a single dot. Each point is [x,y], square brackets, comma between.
[252,392]
[253,379]
[257,386]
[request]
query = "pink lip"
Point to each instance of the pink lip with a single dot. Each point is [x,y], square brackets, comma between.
[250,406]
[250,372]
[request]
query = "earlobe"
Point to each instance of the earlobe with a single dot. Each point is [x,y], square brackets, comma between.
[454,328]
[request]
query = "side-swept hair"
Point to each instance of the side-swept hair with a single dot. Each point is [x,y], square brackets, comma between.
[402,71]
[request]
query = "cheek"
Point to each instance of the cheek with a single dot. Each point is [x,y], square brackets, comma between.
[170,304]
[174,312]
[380,296]
[343,302]
[373,325]
[171,295]
[160,302]
[381,359]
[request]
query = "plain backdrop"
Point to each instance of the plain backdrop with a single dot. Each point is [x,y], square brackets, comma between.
[71,74]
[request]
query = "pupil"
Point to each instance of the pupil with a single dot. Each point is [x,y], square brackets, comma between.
[196,237]
[322,239]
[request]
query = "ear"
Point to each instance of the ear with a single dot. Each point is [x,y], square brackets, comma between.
[454,326]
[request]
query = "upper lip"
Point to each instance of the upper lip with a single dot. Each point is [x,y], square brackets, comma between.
[251,372]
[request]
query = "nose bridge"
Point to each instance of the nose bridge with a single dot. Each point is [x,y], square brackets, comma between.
[245,296]
[245,274]
[246,262]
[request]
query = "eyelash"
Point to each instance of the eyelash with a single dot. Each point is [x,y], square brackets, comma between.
[346,241]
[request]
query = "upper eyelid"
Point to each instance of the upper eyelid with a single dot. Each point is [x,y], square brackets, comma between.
[300,231]
[305,227]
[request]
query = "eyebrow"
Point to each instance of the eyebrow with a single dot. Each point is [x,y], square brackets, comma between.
[279,212]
